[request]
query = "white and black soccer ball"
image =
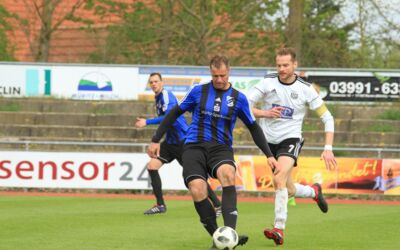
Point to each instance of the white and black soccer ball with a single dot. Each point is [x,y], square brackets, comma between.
[225,238]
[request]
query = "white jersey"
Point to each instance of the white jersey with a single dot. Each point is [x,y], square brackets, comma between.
[270,92]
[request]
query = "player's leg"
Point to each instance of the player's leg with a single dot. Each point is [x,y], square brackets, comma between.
[204,208]
[214,200]
[211,194]
[281,190]
[226,176]
[281,199]
[222,166]
[195,176]
[306,191]
[152,167]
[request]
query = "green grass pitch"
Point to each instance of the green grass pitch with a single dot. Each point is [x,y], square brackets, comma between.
[99,223]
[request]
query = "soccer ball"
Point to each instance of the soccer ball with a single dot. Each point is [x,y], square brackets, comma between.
[225,238]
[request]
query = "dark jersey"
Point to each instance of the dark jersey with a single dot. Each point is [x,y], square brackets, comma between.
[215,113]
[165,101]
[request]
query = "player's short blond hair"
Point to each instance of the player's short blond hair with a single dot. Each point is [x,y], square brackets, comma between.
[286,51]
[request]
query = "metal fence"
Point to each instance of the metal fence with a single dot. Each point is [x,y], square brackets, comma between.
[143,146]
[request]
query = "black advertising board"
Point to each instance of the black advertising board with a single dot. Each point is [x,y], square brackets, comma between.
[358,87]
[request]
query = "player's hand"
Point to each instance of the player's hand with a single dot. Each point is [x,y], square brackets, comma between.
[273,164]
[140,122]
[154,150]
[275,112]
[329,158]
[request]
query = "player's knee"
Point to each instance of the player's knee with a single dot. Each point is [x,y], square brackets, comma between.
[198,189]
[279,181]
[291,192]
[154,165]
[226,175]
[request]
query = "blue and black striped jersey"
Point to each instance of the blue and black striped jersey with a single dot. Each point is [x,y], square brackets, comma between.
[165,101]
[215,113]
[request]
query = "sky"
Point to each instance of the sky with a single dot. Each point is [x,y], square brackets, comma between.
[375,25]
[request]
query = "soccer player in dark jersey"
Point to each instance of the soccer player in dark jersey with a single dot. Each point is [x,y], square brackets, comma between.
[171,147]
[208,144]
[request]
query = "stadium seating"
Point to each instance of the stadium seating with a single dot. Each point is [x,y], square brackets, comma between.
[54,120]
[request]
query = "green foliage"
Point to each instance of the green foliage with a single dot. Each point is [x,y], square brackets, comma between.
[324,43]
[12,107]
[188,32]
[104,110]
[392,114]
[381,127]
[5,53]
[309,125]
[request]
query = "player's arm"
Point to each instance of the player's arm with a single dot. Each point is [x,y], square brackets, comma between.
[329,123]
[256,94]
[169,103]
[154,148]
[274,112]
[141,122]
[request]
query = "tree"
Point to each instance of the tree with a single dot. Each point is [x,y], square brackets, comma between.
[44,13]
[185,32]
[379,43]
[5,54]
[325,43]
[295,25]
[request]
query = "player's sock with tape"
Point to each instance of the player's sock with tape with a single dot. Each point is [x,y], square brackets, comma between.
[157,186]
[229,209]
[281,200]
[207,215]
[213,197]
[304,191]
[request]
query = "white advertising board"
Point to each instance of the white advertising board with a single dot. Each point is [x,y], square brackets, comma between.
[24,80]
[71,82]
[95,83]
[180,79]
[83,170]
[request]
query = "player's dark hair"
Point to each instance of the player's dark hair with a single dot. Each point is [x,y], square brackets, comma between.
[155,74]
[218,60]
[286,51]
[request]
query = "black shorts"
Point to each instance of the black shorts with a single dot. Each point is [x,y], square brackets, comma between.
[201,160]
[289,147]
[170,152]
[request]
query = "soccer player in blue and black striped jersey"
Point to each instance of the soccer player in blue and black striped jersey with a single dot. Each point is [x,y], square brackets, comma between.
[208,144]
[171,148]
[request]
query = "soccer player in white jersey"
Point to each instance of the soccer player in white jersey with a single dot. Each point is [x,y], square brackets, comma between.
[284,97]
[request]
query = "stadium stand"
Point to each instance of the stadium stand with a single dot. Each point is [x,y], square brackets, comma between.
[24,122]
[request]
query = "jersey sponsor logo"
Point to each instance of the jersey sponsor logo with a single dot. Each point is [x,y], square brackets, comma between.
[204,112]
[230,101]
[217,107]
[218,100]
[294,95]
[286,113]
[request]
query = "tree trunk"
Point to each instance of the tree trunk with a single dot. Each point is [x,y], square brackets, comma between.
[42,54]
[295,25]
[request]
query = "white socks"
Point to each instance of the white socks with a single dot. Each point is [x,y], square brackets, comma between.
[304,191]
[281,200]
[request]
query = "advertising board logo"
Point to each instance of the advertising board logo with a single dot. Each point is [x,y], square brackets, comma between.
[33,80]
[95,81]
